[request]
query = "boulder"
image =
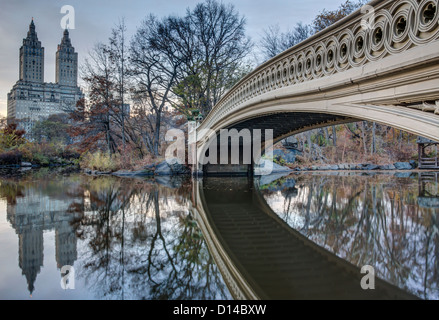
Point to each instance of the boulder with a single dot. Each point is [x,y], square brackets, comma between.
[288,156]
[266,167]
[171,167]
[387,167]
[370,167]
[26,164]
[402,166]
[353,166]
[414,164]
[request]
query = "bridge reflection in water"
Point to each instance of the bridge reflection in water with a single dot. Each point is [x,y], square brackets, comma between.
[296,237]
[262,257]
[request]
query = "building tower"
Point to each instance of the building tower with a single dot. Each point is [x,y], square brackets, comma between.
[66,63]
[32,57]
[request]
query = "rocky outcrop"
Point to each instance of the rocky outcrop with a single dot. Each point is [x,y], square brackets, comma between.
[266,167]
[171,167]
[287,156]
[403,166]
[361,166]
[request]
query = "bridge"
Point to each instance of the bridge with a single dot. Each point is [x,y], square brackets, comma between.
[261,257]
[381,65]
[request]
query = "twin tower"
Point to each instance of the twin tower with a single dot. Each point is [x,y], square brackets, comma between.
[32,60]
[31,99]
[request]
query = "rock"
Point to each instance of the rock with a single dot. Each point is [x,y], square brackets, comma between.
[387,167]
[288,156]
[402,166]
[266,167]
[414,164]
[26,164]
[370,167]
[171,167]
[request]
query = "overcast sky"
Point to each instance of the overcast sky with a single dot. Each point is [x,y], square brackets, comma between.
[95,18]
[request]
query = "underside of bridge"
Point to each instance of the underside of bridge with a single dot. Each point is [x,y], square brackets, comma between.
[385,73]
[282,125]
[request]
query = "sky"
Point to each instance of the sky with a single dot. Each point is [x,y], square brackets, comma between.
[94,19]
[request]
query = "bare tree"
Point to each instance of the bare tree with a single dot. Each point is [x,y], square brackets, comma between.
[156,61]
[274,41]
[119,57]
[218,57]
[94,119]
[186,62]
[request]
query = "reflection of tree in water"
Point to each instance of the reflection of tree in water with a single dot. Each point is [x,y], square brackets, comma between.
[372,220]
[144,244]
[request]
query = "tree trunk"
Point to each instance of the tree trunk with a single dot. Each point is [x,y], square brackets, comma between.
[157,133]
[325,131]
[363,136]
[373,146]
[308,137]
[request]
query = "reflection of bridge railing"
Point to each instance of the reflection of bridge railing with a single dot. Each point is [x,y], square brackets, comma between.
[357,43]
[261,257]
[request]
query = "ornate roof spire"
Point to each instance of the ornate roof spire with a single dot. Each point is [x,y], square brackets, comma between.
[66,42]
[32,35]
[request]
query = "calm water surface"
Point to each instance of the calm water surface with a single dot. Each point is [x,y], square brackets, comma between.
[126,239]
[389,221]
[138,239]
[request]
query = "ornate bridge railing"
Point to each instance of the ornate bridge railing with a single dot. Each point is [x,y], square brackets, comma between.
[382,28]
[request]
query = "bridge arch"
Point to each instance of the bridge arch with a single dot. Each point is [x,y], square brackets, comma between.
[381,67]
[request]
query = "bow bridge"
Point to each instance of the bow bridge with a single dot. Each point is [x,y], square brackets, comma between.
[261,257]
[378,65]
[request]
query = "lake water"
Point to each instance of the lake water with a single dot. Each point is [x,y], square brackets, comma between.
[141,239]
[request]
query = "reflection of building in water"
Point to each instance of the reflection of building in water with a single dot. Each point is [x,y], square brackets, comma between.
[35,213]
[30,254]
[65,242]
